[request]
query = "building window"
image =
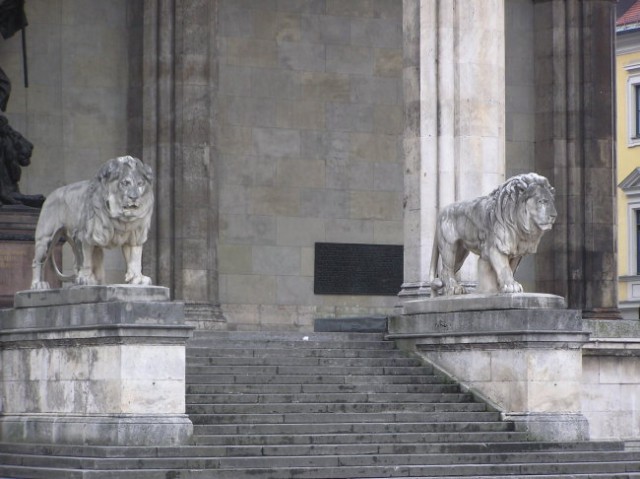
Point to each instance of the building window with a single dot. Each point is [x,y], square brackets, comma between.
[633,104]
[636,111]
[637,242]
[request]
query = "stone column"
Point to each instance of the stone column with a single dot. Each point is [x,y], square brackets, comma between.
[174,91]
[575,150]
[454,84]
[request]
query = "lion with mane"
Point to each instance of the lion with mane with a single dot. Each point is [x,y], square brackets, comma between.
[500,228]
[112,209]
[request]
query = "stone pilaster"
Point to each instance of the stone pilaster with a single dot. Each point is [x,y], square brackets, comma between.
[575,150]
[177,84]
[454,84]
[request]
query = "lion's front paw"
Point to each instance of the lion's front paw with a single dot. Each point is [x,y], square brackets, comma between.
[86,280]
[453,288]
[40,285]
[513,287]
[139,279]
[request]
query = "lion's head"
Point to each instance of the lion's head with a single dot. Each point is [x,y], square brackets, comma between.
[127,184]
[524,210]
[16,149]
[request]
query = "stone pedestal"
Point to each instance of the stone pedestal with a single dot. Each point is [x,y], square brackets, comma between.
[17,228]
[519,352]
[102,365]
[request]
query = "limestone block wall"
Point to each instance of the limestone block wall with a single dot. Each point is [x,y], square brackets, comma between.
[75,109]
[310,113]
[610,389]
[98,379]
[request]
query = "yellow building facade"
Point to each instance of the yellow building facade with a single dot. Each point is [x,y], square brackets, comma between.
[628,163]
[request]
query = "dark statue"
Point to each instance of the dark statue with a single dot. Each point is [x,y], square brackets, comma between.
[15,152]
[15,149]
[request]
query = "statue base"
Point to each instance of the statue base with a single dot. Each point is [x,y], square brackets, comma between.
[101,365]
[17,229]
[505,348]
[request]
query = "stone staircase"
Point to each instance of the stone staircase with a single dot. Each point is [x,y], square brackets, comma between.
[325,405]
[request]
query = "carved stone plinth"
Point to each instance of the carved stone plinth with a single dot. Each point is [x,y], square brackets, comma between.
[17,228]
[519,352]
[100,365]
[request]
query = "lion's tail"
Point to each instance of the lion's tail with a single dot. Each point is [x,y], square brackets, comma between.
[60,235]
[435,283]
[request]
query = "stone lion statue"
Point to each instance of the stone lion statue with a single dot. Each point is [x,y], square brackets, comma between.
[112,209]
[500,228]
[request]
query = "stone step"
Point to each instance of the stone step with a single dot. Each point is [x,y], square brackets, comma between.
[260,344]
[402,466]
[321,408]
[338,417]
[414,472]
[418,472]
[438,439]
[335,398]
[184,451]
[623,475]
[309,379]
[302,361]
[242,352]
[310,370]
[336,428]
[327,337]
[247,457]
[474,463]
[295,388]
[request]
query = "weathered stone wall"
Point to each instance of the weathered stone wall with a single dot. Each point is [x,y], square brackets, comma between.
[310,112]
[610,387]
[75,108]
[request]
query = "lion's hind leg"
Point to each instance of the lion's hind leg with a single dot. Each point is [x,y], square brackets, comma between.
[452,256]
[39,260]
[86,276]
[45,241]
[487,279]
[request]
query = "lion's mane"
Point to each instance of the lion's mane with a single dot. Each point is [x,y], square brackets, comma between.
[105,228]
[508,216]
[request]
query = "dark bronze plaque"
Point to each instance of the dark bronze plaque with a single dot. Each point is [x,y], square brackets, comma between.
[363,269]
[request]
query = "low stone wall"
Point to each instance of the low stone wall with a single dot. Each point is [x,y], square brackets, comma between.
[94,365]
[611,388]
